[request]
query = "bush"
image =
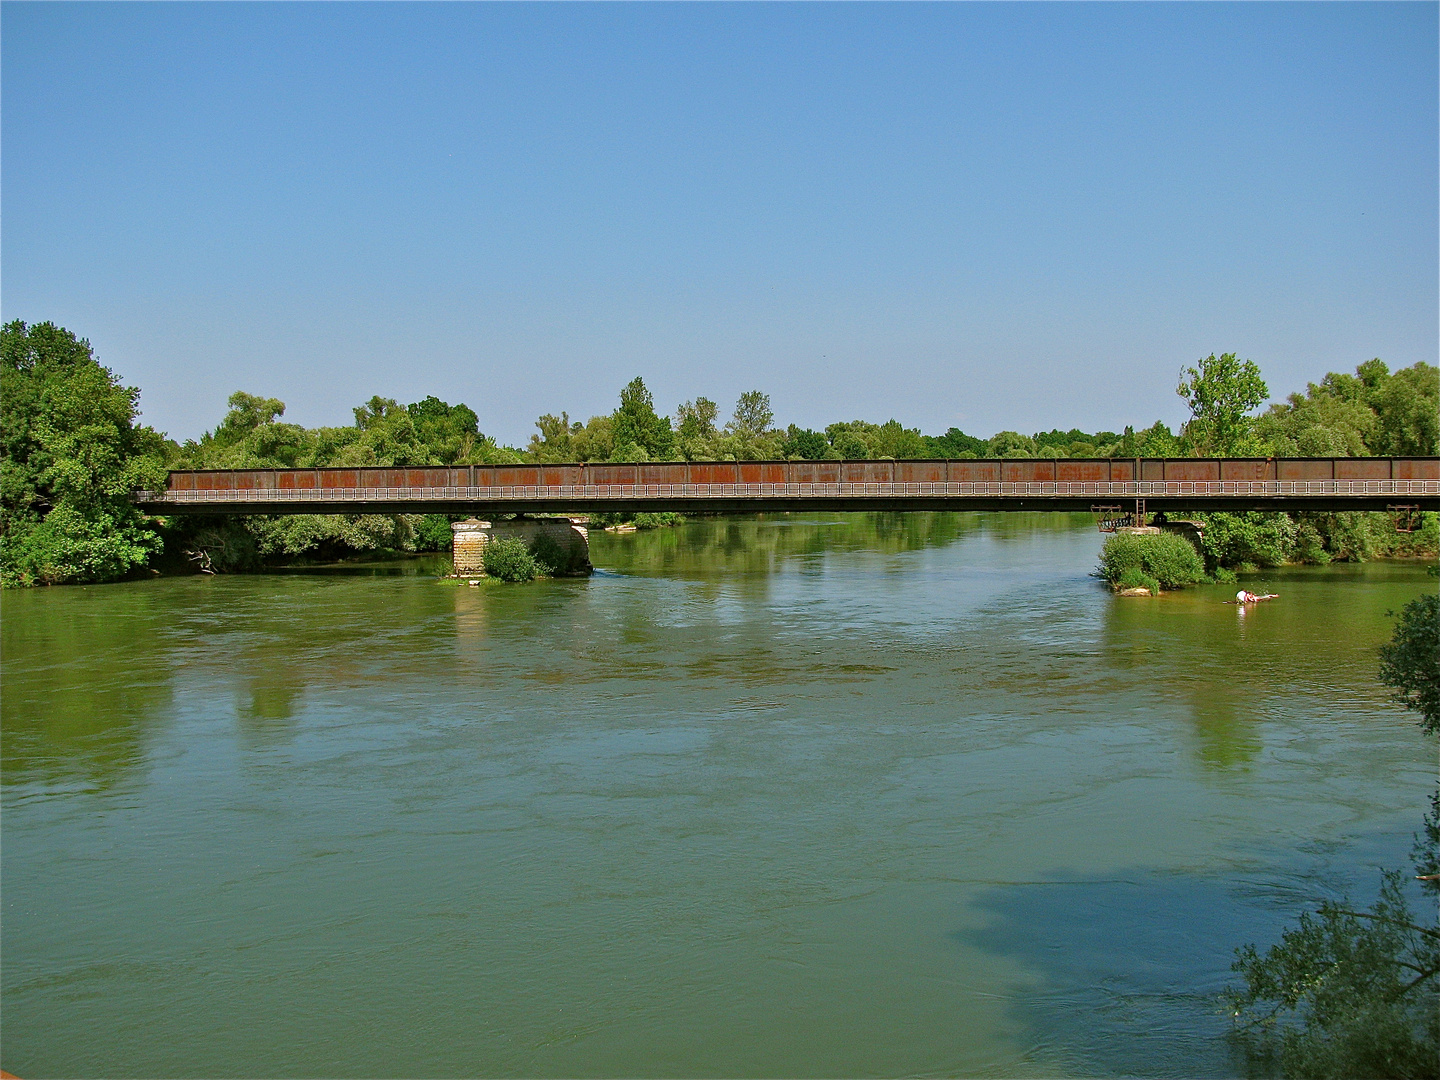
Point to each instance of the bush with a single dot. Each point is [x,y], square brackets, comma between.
[640,521]
[1249,539]
[1166,558]
[657,521]
[1135,578]
[433,532]
[550,556]
[508,559]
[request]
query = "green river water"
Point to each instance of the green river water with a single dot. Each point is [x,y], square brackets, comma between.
[803,796]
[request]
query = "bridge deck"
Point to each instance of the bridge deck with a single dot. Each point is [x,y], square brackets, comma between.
[749,486]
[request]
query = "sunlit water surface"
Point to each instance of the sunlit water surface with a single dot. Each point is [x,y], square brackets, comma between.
[805,796]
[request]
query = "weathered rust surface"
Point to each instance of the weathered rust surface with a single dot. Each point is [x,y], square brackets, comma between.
[735,487]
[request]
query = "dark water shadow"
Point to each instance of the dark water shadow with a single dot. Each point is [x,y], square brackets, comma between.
[1129,967]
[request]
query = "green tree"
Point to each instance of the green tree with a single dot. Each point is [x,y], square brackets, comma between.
[1407,408]
[596,440]
[753,415]
[1220,392]
[1410,663]
[1345,994]
[850,440]
[954,444]
[1010,444]
[749,436]
[637,424]
[893,440]
[804,443]
[72,456]
[449,432]
[1352,993]
[696,437]
[556,441]
[1248,539]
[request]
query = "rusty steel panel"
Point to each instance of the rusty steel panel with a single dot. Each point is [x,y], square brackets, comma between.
[1362,469]
[749,472]
[1416,468]
[1122,472]
[1305,469]
[712,472]
[612,474]
[346,478]
[1152,470]
[815,472]
[1027,470]
[1082,471]
[1246,469]
[1191,469]
[968,471]
[920,472]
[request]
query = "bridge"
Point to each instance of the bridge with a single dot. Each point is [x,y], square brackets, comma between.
[1114,485]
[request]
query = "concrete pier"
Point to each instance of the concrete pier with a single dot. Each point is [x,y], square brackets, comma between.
[472,536]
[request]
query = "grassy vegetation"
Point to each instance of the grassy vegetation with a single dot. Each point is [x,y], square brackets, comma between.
[1160,561]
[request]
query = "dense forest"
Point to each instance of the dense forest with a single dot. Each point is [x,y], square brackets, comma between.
[73,451]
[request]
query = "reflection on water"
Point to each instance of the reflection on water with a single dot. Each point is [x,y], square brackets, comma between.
[821,795]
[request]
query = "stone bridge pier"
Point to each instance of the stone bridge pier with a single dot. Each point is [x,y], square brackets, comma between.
[568,535]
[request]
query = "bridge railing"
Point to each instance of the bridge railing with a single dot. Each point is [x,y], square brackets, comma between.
[1201,489]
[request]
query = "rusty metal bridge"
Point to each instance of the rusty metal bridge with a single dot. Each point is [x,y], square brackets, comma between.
[1112,485]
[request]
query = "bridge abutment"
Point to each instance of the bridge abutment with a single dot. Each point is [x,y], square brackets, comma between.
[567,537]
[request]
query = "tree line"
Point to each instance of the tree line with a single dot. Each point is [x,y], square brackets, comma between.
[73,451]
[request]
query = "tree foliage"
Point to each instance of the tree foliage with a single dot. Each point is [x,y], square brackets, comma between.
[1168,559]
[1370,412]
[72,452]
[1350,993]
[73,455]
[1410,663]
[509,559]
[640,434]
[1220,392]
[1344,994]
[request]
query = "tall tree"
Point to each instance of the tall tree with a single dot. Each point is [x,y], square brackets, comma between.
[556,440]
[1220,392]
[637,425]
[72,456]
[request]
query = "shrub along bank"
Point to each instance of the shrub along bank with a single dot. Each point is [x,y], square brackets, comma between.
[1151,561]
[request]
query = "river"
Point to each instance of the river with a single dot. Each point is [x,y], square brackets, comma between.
[821,795]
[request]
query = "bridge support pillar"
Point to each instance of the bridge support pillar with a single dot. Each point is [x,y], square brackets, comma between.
[555,539]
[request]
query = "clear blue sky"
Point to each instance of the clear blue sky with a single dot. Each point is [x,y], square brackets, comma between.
[992,216]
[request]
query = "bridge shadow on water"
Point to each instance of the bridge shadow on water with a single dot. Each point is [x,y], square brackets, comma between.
[1128,968]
